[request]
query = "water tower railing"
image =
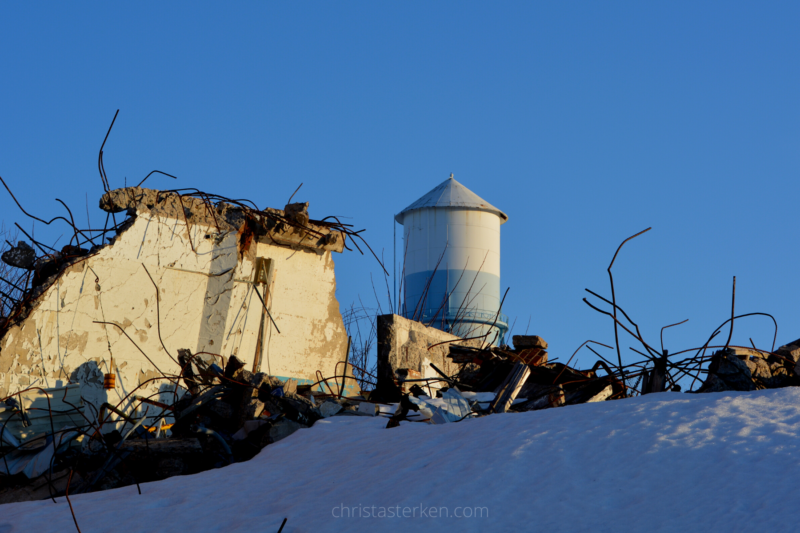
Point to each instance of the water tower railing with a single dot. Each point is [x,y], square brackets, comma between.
[437,320]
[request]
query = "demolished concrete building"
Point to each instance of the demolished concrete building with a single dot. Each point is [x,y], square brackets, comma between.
[219,279]
[206,330]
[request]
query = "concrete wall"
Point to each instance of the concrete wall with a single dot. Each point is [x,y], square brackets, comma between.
[207,303]
[404,343]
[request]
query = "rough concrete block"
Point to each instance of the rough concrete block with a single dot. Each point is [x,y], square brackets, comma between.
[744,353]
[367,408]
[21,256]
[522,342]
[329,409]
[758,368]
[790,351]
[728,372]
[406,344]
[282,429]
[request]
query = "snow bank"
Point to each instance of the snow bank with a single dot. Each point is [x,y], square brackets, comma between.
[663,462]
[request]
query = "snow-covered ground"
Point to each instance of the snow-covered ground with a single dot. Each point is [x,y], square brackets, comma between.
[664,462]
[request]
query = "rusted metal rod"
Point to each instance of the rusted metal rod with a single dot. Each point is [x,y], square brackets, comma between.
[614,298]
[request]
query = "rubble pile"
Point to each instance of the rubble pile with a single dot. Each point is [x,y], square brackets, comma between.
[500,379]
[539,383]
[225,416]
[744,369]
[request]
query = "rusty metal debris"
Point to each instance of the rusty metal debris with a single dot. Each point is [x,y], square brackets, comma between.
[289,226]
[216,412]
[496,379]
[660,370]
[54,443]
[227,415]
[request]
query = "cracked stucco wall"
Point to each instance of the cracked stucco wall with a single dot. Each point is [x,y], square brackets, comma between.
[207,303]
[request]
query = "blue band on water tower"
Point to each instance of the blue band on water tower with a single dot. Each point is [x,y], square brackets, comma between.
[465,298]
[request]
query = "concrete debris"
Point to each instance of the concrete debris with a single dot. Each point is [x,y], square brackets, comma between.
[510,388]
[496,379]
[522,342]
[204,267]
[28,418]
[366,408]
[20,256]
[791,351]
[225,415]
[406,345]
[297,213]
[521,373]
[329,409]
[743,369]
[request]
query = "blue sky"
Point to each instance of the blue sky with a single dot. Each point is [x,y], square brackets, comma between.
[585,123]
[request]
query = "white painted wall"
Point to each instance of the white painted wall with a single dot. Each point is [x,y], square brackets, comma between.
[60,334]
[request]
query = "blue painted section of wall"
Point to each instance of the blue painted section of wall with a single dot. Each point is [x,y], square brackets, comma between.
[476,292]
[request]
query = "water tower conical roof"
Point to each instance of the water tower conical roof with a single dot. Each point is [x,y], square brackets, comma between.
[451,193]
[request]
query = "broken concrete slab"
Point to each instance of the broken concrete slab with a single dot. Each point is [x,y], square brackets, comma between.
[790,351]
[509,391]
[33,414]
[328,409]
[602,396]
[368,408]
[522,342]
[759,368]
[173,446]
[746,353]
[282,429]
[268,225]
[727,372]
[21,256]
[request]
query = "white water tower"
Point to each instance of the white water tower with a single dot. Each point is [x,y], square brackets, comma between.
[454,228]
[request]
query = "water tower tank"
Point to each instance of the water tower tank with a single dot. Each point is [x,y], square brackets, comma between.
[451,262]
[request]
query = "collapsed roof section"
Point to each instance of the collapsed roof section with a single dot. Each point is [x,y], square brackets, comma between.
[289,227]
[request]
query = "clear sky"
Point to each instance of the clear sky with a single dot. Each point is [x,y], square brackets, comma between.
[585,122]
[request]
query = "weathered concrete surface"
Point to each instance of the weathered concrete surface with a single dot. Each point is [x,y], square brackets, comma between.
[728,372]
[273,225]
[203,264]
[404,343]
[20,256]
[522,342]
